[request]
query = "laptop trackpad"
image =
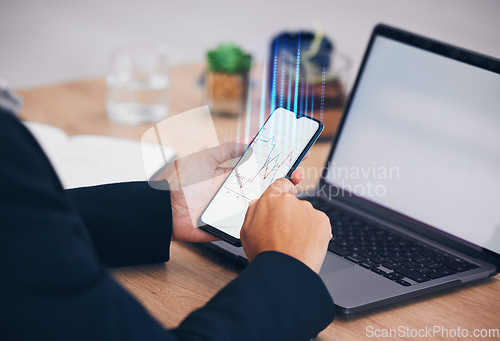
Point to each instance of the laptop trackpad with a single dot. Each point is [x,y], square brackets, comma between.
[333,263]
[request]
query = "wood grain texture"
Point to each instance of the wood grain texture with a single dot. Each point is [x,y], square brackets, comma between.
[194,274]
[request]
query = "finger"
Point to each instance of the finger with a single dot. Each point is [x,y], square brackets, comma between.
[306,156]
[227,151]
[281,186]
[296,177]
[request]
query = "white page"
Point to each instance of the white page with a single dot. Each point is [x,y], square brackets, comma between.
[87,160]
[52,139]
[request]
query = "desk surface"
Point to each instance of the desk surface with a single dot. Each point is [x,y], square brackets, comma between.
[194,274]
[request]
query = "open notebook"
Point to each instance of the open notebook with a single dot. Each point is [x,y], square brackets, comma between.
[87,160]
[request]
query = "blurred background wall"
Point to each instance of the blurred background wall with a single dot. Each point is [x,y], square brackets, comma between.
[50,41]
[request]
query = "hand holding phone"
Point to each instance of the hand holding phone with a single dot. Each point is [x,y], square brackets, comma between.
[306,234]
[274,153]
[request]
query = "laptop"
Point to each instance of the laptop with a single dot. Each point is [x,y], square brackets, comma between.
[412,181]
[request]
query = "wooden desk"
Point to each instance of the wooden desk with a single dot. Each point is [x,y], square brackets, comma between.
[194,274]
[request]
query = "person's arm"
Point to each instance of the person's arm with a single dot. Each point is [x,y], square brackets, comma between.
[256,298]
[129,223]
[53,286]
[276,297]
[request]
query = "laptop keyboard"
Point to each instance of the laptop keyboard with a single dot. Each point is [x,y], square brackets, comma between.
[387,253]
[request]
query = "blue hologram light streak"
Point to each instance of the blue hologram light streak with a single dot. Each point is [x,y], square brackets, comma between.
[322,105]
[312,100]
[303,100]
[282,84]
[275,72]
[307,93]
[301,110]
[289,93]
[297,75]
[263,97]
[296,94]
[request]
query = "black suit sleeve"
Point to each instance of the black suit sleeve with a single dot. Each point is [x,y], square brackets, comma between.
[129,223]
[53,286]
[275,298]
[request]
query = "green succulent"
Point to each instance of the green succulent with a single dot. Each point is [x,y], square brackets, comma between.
[228,58]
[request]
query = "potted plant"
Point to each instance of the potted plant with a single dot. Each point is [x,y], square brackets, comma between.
[226,80]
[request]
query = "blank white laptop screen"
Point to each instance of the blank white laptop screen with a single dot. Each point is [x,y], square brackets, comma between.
[422,138]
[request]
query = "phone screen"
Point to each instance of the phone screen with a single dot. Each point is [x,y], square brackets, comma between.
[274,153]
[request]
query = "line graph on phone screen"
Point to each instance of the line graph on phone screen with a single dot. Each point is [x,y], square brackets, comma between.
[272,155]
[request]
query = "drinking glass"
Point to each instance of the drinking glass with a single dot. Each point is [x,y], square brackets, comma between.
[137,84]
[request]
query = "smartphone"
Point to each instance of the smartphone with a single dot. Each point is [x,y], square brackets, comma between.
[275,152]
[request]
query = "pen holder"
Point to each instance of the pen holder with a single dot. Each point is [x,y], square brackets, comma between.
[308,76]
